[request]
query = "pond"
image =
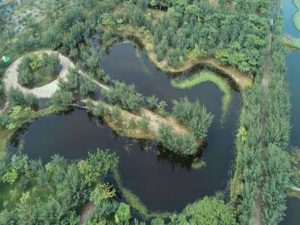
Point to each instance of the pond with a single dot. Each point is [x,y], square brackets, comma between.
[162,181]
[293,69]
[292,214]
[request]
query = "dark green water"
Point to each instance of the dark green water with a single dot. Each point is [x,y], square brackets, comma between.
[162,181]
[293,67]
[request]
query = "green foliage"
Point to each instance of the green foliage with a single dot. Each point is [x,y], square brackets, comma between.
[123,214]
[62,99]
[125,96]
[144,123]
[97,166]
[35,70]
[194,116]
[17,116]
[87,87]
[208,211]
[277,178]
[207,76]
[183,144]
[102,193]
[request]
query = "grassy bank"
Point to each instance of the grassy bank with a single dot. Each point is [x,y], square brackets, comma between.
[129,196]
[207,76]
[242,80]
[292,43]
[297,14]
[24,117]
[5,136]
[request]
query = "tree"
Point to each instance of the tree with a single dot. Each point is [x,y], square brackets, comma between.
[102,192]
[123,214]
[194,116]
[97,166]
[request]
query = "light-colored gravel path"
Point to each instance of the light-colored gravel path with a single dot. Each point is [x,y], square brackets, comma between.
[47,91]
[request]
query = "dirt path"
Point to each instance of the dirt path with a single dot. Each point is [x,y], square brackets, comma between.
[265,84]
[47,91]
[87,211]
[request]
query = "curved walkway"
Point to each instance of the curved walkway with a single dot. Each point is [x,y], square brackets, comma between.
[47,91]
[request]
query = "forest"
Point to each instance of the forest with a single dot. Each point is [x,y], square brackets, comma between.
[57,48]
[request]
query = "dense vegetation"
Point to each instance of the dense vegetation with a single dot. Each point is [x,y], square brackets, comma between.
[194,116]
[235,34]
[35,70]
[262,143]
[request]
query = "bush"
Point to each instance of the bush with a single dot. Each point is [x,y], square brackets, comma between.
[144,123]
[125,96]
[16,97]
[183,144]
[62,99]
[36,70]
[194,116]
[87,87]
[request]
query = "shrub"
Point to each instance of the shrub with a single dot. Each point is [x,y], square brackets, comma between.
[62,99]
[37,70]
[144,123]
[125,96]
[193,115]
[183,144]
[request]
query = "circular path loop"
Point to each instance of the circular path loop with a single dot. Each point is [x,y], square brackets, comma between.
[47,91]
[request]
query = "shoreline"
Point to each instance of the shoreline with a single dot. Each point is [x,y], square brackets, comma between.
[241,80]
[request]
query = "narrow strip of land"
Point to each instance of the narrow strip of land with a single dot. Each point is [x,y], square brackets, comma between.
[242,80]
[47,91]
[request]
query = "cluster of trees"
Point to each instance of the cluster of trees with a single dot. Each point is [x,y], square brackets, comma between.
[182,144]
[70,185]
[78,83]
[235,37]
[194,116]
[54,193]
[17,97]
[33,69]
[125,96]
[263,164]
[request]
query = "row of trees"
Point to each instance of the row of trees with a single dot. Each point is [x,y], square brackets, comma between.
[67,188]
[182,144]
[262,142]
[33,69]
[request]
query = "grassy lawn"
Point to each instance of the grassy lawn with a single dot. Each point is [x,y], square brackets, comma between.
[206,76]
[297,15]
